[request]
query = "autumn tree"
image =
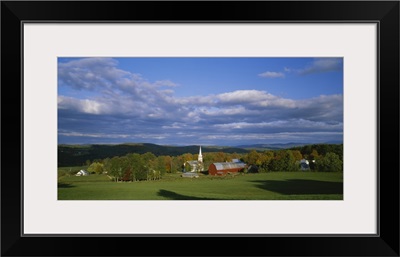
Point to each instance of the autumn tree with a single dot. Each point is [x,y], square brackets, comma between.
[234,156]
[265,160]
[252,158]
[168,163]
[187,157]
[297,155]
[222,157]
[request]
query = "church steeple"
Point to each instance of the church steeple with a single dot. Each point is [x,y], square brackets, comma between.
[200,158]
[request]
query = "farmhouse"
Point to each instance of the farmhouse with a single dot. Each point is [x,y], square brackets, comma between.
[82,173]
[223,168]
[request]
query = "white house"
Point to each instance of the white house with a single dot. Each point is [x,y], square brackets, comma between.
[304,164]
[82,173]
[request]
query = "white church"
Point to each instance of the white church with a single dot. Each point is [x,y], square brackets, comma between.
[195,166]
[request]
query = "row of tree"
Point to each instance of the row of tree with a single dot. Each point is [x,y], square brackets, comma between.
[147,166]
[289,160]
[134,166]
[131,167]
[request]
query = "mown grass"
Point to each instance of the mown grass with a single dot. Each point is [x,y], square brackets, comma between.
[263,186]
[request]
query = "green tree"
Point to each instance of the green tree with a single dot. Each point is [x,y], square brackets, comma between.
[329,163]
[137,166]
[106,165]
[148,157]
[96,167]
[161,165]
[177,164]
[291,162]
[115,167]
[150,162]
[284,161]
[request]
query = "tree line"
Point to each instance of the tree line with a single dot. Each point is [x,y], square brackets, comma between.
[136,167]
[329,159]
[147,166]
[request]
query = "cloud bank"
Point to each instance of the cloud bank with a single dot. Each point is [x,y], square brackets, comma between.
[100,103]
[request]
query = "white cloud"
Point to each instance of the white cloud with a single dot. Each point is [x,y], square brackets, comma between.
[175,125]
[97,135]
[82,105]
[272,74]
[225,111]
[91,73]
[244,96]
[109,135]
[165,83]
[323,65]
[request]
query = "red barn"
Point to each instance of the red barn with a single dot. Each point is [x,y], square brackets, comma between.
[223,168]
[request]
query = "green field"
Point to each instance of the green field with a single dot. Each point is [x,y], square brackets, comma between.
[262,186]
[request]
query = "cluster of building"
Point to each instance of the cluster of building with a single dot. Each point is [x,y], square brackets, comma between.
[215,169]
[222,168]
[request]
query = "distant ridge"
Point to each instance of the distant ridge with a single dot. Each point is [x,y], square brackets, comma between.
[278,146]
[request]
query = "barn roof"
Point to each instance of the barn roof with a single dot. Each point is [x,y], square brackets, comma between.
[229,165]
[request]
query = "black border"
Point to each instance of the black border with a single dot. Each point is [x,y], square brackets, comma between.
[384,13]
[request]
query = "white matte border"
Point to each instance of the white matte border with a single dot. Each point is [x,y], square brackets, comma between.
[356,43]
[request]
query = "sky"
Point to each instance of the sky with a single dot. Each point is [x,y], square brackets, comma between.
[200,100]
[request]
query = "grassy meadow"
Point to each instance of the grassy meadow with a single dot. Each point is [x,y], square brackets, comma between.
[255,186]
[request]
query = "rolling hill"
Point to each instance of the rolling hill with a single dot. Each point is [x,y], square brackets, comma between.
[263,147]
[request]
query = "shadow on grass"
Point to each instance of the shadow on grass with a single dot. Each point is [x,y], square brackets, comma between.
[64,185]
[300,186]
[174,196]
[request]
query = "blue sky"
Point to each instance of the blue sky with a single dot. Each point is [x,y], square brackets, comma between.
[200,101]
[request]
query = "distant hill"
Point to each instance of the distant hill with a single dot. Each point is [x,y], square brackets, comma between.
[75,155]
[280,146]
[271,146]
